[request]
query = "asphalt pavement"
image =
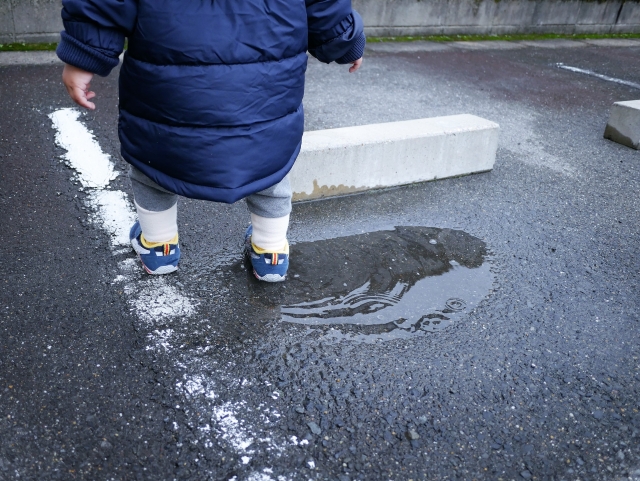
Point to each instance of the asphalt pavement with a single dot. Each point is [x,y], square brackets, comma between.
[482,327]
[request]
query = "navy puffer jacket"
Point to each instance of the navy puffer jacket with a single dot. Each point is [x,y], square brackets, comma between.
[210,90]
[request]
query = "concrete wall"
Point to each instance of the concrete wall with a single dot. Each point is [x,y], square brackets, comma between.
[443,17]
[39,20]
[30,21]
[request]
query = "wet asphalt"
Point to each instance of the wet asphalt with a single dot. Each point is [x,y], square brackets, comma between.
[536,376]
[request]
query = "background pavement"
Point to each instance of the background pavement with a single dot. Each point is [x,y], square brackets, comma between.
[108,374]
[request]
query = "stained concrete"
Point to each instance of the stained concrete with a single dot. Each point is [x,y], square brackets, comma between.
[374,156]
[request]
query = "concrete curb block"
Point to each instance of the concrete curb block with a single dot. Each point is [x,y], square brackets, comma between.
[355,159]
[624,124]
[29,58]
[429,46]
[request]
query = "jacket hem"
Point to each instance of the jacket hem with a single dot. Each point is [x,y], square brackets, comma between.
[227,195]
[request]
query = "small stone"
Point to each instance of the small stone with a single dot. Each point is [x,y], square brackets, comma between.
[433,242]
[598,414]
[636,473]
[105,444]
[412,435]
[300,410]
[315,429]
[487,415]
[422,419]
[525,474]
[620,455]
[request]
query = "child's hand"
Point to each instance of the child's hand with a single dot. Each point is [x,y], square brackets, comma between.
[78,83]
[355,65]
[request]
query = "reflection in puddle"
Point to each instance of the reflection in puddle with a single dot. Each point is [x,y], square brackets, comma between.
[381,285]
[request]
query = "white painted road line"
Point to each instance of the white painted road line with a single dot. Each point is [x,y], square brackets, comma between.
[354,159]
[598,75]
[84,155]
[158,302]
[94,169]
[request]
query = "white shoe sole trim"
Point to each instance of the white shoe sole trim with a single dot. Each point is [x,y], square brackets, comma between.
[161,270]
[270,277]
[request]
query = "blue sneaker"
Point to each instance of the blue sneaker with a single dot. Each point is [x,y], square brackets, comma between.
[267,266]
[157,258]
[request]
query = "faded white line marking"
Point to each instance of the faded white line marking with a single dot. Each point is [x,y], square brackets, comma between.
[156,302]
[230,427]
[84,154]
[598,75]
[113,213]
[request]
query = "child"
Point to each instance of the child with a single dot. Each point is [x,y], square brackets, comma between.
[210,104]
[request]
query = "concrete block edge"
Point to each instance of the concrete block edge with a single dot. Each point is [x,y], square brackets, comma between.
[623,126]
[355,163]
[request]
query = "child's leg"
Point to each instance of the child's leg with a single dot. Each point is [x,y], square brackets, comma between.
[157,209]
[270,211]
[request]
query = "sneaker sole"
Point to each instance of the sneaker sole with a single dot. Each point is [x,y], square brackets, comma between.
[160,270]
[269,277]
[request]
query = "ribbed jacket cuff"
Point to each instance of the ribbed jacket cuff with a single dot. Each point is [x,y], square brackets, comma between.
[79,55]
[355,52]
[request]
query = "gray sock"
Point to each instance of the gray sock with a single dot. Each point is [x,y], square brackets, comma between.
[148,194]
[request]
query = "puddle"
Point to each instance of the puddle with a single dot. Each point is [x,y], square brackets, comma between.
[379,285]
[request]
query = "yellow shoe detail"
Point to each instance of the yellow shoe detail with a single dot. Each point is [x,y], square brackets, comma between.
[151,245]
[260,250]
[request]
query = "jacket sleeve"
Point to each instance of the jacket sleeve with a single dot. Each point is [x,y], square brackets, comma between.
[94,33]
[336,32]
